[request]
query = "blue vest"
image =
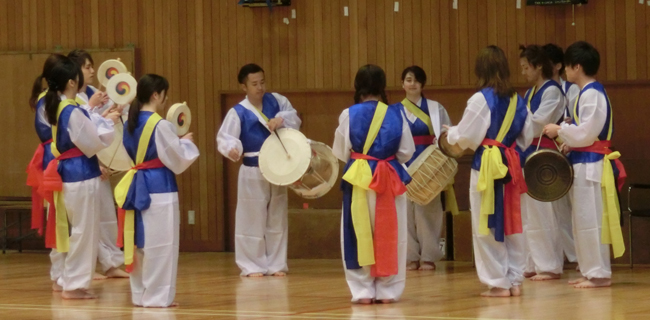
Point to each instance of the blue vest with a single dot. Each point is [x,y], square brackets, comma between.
[253,132]
[44,132]
[534,106]
[147,181]
[587,157]
[385,145]
[418,128]
[79,168]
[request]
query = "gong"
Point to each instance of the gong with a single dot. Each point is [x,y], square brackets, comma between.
[548,174]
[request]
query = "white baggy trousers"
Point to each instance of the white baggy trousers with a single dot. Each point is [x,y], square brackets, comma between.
[424,229]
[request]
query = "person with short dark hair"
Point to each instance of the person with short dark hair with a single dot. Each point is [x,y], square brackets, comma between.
[596,211]
[546,102]
[570,90]
[261,228]
[425,118]
[374,140]
[495,121]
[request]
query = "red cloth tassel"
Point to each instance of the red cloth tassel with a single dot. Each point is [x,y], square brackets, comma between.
[121,216]
[34,180]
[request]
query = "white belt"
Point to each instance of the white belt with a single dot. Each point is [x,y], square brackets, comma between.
[251,154]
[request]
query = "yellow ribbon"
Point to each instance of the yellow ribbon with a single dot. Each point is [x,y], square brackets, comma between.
[492,168]
[122,188]
[418,113]
[359,175]
[62,228]
[530,97]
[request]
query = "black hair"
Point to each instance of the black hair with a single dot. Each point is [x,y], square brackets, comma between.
[80,56]
[537,57]
[370,80]
[62,72]
[584,54]
[147,86]
[418,73]
[37,87]
[246,70]
[555,53]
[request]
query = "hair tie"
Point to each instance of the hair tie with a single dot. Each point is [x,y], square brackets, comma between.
[51,84]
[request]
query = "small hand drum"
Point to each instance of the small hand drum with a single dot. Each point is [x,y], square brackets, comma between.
[122,88]
[548,174]
[115,157]
[452,151]
[309,169]
[108,69]
[179,114]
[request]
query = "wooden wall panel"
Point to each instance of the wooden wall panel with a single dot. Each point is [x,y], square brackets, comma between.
[199,46]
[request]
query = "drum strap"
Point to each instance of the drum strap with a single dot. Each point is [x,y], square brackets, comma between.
[126,224]
[611,227]
[34,180]
[411,107]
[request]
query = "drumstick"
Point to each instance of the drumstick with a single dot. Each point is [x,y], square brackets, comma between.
[285,149]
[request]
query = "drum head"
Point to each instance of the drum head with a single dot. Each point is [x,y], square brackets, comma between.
[415,165]
[179,114]
[278,168]
[322,173]
[115,156]
[122,88]
[548,174]
[452,151]
[108,69]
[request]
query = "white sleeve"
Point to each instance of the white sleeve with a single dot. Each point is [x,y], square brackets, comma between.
[571,97]
[472,128]
[41,115]
[228,136]
[175,153]
[444,118]
[593,115]
[342,145]
[287,113]
[406,143]
[89,136]
[550,109]
[527,134]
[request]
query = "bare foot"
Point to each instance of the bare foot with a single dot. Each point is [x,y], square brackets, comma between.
[255,275]
[545,276]
[116,273]
[427,265]
[98,276]
[385,301]
[78,294]
[496,292]
[594,283]
[529,274]
[515,291]
[279,274]
[576,281]
[56,287]
[364,301]
[413,265]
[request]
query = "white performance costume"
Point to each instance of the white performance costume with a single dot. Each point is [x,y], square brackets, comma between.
[498,264]
[360,281]
[261,228]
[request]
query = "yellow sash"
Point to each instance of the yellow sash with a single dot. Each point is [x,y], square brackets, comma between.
[62,228]
[492,168]
[530,97]
[611,228]
[122,188]
[418,113]
[359,175]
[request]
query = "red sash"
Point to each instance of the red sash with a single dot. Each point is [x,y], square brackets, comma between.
[424,140]
[602,147]
[34,180]
[513,189]
[387,184]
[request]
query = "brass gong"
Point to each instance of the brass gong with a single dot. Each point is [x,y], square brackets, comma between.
[451,151]
[548,174]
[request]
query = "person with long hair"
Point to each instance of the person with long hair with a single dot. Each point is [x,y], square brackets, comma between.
[425,118]
[73,177]
[547,103]
[495,121]
[374,140]
[261,222]
[148,195]
[96,102]
[597,170]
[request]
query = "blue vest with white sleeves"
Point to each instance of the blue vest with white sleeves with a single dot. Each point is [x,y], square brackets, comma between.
[253,132]
[78,168]
[418,128]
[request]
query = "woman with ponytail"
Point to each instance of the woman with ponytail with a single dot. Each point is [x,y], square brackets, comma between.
[373,228]
[147,196]
[72,178]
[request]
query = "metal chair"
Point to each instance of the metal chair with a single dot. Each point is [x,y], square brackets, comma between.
[641,213]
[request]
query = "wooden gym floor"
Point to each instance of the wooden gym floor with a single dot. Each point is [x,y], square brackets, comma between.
[209,287]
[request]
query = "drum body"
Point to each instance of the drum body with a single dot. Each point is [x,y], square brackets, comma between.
[115,157]
[309,169]
[548,174]
[431,172]
[452,151]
